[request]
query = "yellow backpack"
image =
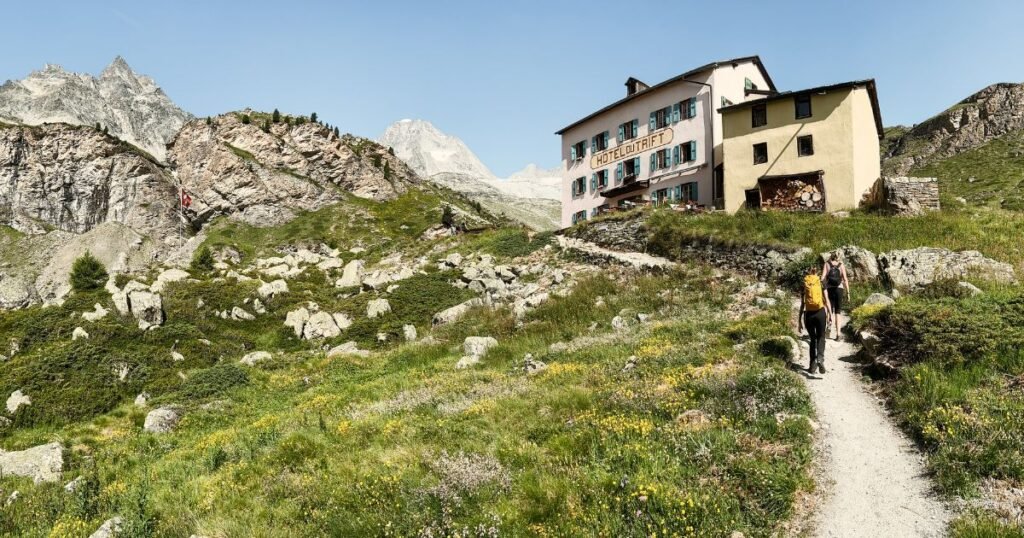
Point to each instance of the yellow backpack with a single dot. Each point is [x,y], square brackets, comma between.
[813,299]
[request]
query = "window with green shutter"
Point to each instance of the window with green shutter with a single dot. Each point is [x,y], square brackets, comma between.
[618,173]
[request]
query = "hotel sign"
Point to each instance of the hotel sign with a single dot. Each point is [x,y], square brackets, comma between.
[632,148]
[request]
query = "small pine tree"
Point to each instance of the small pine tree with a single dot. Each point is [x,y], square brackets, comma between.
[98,126]
[391,151]
[203,260]
[312,117]
[277,116]
[105,129]
[376,161]
[266,126]
[387,170]
[245,119]
[337,133]
[87,273]
[209,120]
[448,216]
[299,121]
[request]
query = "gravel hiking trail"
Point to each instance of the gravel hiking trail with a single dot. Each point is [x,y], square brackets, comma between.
[872,480]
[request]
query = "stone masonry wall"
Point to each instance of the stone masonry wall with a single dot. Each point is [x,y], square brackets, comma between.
[911,195]
[766,262]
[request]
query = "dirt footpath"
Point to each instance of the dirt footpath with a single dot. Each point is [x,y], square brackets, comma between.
[873,481]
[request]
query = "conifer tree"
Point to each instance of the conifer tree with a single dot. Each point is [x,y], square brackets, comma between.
[312,117]
[277,116]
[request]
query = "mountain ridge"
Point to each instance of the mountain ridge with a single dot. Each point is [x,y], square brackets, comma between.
[131,106]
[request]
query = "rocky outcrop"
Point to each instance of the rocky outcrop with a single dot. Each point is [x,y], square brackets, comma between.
[234,168]
[42,463]
[76,178]
[922,266]
[988,114]
[130,106]
[861,264]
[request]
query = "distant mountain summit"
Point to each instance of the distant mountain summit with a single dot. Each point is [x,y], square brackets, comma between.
[131,106]
[534,182]
[446,160]
[430,152]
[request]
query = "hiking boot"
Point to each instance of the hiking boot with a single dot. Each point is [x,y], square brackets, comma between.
[812,367]
[821,367]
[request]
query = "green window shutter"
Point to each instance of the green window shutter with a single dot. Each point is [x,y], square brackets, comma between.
[679,193]
[675,155]
[606,139]
[572,153]
[636,127]
[693,150]
[654,161]
[675,113]
[622,133]
[692,107]
[593,183]
[636,166]
[593,144]
[618,173]
[653,124]
[696,193]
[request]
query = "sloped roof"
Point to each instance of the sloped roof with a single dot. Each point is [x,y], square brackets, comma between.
[867,83]
[755,59]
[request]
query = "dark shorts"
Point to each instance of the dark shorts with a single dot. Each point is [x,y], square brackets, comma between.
[835,296]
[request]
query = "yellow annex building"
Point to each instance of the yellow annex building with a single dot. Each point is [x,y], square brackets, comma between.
[809,150]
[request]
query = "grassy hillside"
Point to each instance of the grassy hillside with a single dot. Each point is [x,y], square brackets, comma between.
[702,433]
[990,175]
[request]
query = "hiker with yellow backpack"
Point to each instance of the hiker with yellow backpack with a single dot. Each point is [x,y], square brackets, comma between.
[814,314]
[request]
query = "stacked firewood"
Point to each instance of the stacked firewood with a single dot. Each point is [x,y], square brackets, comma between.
[793,195]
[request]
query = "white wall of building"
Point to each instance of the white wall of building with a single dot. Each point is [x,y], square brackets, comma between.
[727,80]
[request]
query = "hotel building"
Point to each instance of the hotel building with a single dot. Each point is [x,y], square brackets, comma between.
[659,144]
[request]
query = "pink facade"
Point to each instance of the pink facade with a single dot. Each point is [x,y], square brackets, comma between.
[661,144]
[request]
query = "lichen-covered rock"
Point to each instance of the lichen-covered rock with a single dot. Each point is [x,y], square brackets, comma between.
[16,400]
[97,314]
[352,274]
[256,357]
[147,307]
[109,529]
[271,289]
[320,325]
[42,463]
[296,319]
[861,264]
[162,420]
[79,333]
[922,266]
[477,346]
[377,307]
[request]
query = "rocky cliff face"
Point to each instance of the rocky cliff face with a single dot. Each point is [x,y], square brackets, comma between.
[132,107]
[988,114]
[74,178]
[234,168]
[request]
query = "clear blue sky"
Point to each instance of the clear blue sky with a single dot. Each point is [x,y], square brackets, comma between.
[503,76]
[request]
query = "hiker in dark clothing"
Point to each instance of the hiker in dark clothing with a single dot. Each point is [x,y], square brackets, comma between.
[836,283]
[814,314]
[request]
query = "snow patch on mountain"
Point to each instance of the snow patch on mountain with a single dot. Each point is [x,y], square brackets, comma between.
[131,106]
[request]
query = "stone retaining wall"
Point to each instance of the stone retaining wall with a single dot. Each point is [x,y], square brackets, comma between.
[911,195]
[766,262]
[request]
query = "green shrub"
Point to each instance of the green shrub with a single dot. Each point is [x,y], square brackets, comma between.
[213,381]
[941,289]
[203,260]
[87,273]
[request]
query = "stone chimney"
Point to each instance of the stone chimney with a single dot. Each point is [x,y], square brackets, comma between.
[634,86]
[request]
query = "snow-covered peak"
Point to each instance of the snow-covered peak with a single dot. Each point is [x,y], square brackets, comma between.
[131,106]
[430,152]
